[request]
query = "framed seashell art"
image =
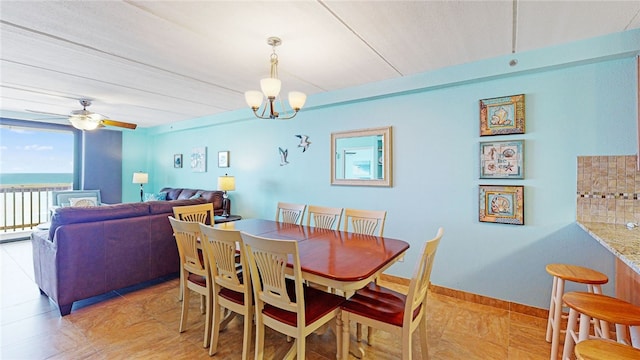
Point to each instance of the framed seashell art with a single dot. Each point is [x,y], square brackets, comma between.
[502,204]
[502,160]
[502,115]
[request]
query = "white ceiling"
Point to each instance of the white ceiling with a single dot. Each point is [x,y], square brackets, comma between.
[157,62]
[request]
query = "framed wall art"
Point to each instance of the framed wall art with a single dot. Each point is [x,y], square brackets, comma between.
[177,160]
[502,204]
[223,159]
[199,159]
[502,115]
[502,160]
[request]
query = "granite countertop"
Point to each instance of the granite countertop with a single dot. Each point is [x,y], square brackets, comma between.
[622,242]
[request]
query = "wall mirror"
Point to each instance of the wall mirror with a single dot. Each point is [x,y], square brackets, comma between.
[361,157]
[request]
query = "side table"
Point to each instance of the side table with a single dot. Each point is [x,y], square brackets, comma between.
[224,219]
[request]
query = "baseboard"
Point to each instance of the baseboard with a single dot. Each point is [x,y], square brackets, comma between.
[474,298]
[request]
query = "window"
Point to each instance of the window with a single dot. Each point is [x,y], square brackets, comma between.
[35,159]
[36,156]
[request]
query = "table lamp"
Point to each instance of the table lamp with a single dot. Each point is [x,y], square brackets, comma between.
[226,183]
[140,178]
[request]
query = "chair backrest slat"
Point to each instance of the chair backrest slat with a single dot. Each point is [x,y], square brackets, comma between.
[290,213]
[324,217]
[186,234]
[419,285]
[364,221]
[222,248]
[200,213]
[268,260]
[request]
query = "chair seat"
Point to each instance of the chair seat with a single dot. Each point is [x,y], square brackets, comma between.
[378,303]
[198,279]
[317,304]
[604,349]
[233,296]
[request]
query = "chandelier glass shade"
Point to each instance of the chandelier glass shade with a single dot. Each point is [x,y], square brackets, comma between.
[271,91]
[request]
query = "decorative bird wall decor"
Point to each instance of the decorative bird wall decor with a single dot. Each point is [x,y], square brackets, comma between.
[304,142]
[283,156]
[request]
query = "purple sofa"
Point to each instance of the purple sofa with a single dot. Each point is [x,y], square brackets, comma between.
[93,250]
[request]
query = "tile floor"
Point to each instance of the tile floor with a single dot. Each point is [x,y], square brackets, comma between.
[142,323]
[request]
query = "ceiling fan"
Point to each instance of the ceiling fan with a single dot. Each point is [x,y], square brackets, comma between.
[87,120]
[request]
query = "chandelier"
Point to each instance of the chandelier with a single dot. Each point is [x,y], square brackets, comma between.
[271,89]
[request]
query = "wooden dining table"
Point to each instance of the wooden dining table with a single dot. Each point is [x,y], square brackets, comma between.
[340,260]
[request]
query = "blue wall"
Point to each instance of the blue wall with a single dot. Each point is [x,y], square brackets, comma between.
[580,100]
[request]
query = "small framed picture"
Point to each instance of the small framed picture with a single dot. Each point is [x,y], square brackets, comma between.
[502,204]
[223,159]
[502,115]
[199,159]
[177,161]
[502,160]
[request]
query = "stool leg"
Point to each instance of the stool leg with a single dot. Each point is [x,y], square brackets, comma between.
[585,326]
[554,323]
[569,340]
[600,327]
[621,335]
[635,336]
[552,307]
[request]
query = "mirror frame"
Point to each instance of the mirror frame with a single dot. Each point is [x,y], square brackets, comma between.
[388,164]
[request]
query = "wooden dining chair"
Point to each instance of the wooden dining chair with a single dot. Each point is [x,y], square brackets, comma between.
[231,285]
[367,222]
[194,268]
[291,213]
[324,217]
[285,306]
[390,311]
[200,213]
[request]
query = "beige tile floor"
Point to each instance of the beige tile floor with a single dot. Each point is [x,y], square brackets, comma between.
[142,323]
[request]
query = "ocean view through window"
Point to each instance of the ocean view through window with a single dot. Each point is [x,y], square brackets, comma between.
[34,161]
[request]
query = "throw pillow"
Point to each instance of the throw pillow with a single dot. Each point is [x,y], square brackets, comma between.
[83,201]
[196,196]
[155,196]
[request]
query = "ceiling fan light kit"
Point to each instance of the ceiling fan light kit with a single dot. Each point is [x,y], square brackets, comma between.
[271,89]
[87,120]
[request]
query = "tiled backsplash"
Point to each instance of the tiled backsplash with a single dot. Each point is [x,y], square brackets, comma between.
[608,189]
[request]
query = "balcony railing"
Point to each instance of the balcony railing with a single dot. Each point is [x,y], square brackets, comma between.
[26,206]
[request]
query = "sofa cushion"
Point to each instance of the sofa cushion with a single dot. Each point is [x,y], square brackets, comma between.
[61,198]
[83,201]
[172,194]
[162,207]
[155,196]
[187,193]
[212,196]
[72,215]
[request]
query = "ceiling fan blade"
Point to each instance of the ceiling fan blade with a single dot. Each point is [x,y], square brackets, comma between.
[121,124]
[47,113]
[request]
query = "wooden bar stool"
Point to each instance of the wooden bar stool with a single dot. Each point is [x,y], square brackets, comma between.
[624,315]
[561,273]
[605,350]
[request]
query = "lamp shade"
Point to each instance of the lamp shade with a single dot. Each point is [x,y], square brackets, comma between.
[253,98]
[270,87]
[226,183]
[140,178]
[297,100]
